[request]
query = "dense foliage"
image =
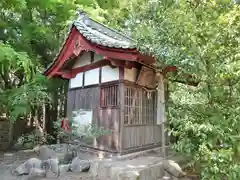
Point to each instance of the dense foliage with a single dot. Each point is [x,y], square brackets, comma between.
[201,38]
[31,33]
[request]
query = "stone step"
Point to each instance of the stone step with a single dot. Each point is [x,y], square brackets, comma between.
[137,169]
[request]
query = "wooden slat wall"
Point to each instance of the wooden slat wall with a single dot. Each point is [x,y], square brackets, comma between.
[109,96]
[109,118]
[139,136]
[139,108]
[70,102]
[89,99]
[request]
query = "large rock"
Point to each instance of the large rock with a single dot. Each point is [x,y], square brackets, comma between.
[79,165]
[64,153]
[115,170]
[94,167]
[68,157]
[52,167]
[46,153]
[144,174]
[168,176]
[25,168]
[156,170]
[36,173]
[63,168]
[104,169]
[17,146]
[173,168]
[129,175]
[28,145]
[21,170]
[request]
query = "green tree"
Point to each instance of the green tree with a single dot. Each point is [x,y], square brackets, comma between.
[31,33]
[201,38]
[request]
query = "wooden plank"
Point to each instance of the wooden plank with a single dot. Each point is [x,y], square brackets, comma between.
[139,136]
[109,119]
[70,102]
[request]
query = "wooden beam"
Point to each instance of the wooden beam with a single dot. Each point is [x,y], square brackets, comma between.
[89,67]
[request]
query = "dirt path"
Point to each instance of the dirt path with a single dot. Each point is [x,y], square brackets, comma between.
[9,162]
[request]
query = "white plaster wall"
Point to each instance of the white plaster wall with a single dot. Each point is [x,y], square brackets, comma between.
[109,74]
[77,81]
[91,77]
[130,74]
[83,60]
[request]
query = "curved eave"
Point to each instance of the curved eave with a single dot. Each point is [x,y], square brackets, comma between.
[68,50]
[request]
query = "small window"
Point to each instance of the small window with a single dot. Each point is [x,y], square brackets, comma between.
[109,96]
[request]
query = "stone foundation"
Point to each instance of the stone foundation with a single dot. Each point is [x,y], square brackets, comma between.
[141,168]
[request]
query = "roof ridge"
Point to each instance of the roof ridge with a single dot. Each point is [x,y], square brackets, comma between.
[112,29]
[83,16]
[97,31]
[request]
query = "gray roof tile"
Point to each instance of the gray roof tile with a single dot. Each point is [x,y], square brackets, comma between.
[102,35]
[99,34]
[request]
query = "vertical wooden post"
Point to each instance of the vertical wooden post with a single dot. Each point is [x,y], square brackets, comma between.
[121,110]
[161,113]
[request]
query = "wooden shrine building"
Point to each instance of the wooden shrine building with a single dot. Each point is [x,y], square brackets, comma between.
[118,87]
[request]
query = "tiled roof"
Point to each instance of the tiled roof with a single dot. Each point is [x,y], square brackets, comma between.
[102,35]
[99,34]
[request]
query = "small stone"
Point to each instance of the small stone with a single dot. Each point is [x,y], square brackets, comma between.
[173,168]
[79,165]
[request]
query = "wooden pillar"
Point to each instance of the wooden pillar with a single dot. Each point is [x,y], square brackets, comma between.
[121,110]
[161,113]
[166,97]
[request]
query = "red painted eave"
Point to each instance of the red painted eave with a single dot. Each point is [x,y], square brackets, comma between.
[69,50]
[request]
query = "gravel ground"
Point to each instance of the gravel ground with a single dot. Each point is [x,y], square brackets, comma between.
[9,162]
